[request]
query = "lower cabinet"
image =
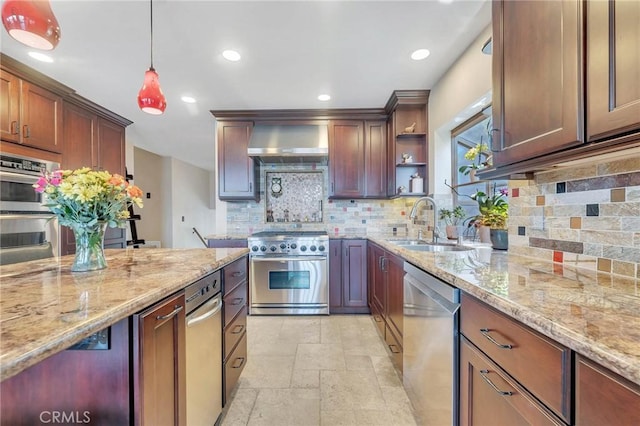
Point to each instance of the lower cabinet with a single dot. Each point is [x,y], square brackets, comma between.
[159,367]
[489,396]
[603,398]
[235,306]
[348,276]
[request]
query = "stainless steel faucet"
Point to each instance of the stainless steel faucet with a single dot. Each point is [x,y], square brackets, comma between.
[414,210]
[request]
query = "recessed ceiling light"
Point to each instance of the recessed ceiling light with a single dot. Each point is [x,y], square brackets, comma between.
[188,99]
[324,97]
[420,54]
[231,55]
[41,57]
[446,1]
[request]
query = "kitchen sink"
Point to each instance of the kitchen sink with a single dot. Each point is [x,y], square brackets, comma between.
[421,245]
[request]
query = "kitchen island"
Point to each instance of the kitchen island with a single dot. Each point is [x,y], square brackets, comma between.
[45,308]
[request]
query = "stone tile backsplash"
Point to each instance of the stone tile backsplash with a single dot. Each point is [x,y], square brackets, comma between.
[586,215]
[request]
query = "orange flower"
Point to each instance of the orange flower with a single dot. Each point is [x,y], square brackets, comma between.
[116,180]
[134,191]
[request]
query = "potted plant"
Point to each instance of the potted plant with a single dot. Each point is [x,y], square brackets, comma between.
[474,155]
[451,219]
[494,212]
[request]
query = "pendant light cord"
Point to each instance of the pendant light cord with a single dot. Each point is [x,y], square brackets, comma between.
[151,18]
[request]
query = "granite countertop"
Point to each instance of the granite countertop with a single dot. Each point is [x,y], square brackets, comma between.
[44,308]
[593,313]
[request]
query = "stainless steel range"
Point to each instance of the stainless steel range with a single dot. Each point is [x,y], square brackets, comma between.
[289,273]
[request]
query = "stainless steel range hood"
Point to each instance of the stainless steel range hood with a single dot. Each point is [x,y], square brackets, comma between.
[300,143]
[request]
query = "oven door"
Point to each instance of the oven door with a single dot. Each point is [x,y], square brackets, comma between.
[27,236]
[17,193]
[289,285]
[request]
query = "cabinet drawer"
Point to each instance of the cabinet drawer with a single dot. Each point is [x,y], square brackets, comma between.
[234,302]
[488,396]
[234,274]
[394,345]
[377,318]
[538,363]
[234,332]
[233,367]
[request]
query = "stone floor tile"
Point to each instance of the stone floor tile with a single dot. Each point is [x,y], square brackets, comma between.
[307,379]
[320,356]
[239,408]
[350,389]
[267,371]
[337,418]
[286,407]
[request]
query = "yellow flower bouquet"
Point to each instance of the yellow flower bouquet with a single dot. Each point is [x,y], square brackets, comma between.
[87,201]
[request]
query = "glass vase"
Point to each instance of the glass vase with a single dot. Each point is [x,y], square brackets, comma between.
[89,247]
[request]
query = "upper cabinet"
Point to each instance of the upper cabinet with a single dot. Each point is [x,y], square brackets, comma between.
[407,145]
[30,115]
[537,83]
[565,82]
[613,68]
[237,172]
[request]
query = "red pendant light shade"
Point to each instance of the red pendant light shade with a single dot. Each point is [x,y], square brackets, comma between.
[150,97]
[31,23]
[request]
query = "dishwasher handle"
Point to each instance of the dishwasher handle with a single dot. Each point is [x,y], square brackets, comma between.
[214,306]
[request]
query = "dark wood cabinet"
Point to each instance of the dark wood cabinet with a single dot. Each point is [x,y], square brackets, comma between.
[159,373]
[31,115]
[235,288]
[95,142]
[357,159]
[603,398]
[407,134]
[394,270]
[613,68]
[488,396]
[537,78]
[348,276]
[237,172]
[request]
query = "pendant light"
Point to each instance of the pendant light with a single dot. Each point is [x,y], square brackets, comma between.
[150,98]
[32,23]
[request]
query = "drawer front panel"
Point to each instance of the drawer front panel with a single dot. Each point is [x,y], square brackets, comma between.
[234,332]
[233,367]
[234,302]
[394,347]
[538,363]
[234,274]
[377,318]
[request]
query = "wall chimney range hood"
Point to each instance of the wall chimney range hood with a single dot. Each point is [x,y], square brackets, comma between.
[296,143]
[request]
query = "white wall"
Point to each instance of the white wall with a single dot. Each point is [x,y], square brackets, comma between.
[452,100]
[148,177]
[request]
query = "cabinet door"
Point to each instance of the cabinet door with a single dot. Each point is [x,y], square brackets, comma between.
[395,293]
[604,398]
[236,170]
[346,159]
[379,296]
[613,68]
[9,107]
[375,140]
[111,158]
[335,275]
[537,84]
[159,362]
[488,396]
[41,125]
[354,273]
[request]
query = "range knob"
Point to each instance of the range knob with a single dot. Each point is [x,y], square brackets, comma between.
[263,248]
[293,246]
[283,246]
[321,248]
[303,248]
[255,248]
[312,248]
[273,248]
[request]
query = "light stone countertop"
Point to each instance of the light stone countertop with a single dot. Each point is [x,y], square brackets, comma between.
[45,308]
[595,314]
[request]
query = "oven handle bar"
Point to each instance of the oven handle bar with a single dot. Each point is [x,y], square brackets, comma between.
[321,258]
[43,215]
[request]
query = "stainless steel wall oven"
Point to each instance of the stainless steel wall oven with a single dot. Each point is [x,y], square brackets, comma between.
[28,230]
[289,273]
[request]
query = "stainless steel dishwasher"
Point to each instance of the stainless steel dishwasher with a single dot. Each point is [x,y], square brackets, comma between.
[204,350]
[430,347]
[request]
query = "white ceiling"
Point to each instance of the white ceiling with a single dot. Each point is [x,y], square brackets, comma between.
[356,51]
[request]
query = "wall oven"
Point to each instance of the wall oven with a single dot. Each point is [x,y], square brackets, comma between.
[28,230]
[289,273]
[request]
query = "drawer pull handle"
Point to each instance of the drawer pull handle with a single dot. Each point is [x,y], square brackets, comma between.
[237,329]
[177,309]
[485,333]
[483,373]
[236,364]
[391,348]
[237,274]
[237,301]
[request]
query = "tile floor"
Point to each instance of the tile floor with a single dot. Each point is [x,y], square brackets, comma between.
[321,370]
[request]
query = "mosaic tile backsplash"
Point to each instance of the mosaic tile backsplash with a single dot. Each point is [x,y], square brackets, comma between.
[587,215]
